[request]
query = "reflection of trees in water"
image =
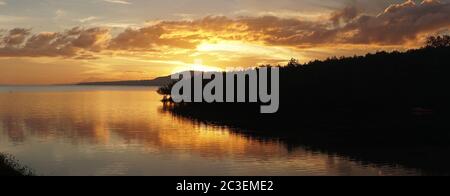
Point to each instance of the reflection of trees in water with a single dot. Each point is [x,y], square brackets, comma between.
[405,149]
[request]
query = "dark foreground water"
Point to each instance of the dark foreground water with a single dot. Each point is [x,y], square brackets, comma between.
[78,130]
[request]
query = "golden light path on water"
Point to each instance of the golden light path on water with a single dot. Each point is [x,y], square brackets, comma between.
[63,130]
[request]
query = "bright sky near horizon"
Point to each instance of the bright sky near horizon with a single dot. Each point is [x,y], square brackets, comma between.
[68,41]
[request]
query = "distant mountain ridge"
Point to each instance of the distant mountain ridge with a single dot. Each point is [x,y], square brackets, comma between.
[160,81]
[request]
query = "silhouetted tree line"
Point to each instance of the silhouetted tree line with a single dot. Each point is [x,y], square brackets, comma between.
[407,82]
[438,41]
[384,107]
[387,86]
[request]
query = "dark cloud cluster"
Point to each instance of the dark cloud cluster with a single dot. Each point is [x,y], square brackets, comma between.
[398,24]
[344,16]
[71,43]
[15,37]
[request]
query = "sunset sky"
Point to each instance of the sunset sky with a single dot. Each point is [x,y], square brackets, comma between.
[69,41]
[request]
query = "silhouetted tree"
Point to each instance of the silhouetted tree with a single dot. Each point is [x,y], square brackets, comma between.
[166,91]
[438,41]
[293,63]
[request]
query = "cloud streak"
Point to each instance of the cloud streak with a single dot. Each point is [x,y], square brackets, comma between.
[118,2]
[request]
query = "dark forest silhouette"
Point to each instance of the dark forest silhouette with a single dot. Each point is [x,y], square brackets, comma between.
[389,107]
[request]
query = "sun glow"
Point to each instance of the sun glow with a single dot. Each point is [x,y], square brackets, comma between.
[249,49]
[197,66]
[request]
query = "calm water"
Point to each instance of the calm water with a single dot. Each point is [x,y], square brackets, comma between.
[68,130]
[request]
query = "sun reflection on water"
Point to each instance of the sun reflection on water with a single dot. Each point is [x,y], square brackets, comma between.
[98,131]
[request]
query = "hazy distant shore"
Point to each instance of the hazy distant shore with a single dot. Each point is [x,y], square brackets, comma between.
[161,81]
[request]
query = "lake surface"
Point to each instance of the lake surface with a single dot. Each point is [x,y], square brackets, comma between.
[93,130]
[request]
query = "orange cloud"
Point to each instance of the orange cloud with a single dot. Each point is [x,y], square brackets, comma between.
[179,34]
[397,25]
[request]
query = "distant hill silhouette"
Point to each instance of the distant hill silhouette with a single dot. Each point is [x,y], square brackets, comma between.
[161,81]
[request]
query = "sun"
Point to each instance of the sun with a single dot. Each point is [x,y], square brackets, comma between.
[197,66]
